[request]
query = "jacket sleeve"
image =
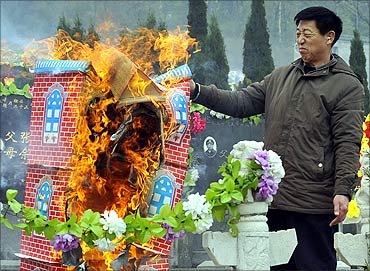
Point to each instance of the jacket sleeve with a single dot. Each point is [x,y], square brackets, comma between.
[346,120]
[247,102]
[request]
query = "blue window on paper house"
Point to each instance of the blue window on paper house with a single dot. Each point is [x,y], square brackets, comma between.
[43,198]
[53,110]
[162,194]
[179,105]
[53,113]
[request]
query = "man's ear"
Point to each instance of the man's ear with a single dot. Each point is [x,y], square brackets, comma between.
[330,37]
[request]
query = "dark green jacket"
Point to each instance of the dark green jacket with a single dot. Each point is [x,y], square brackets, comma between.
[313,121]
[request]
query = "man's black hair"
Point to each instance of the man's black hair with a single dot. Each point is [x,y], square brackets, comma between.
[326,20]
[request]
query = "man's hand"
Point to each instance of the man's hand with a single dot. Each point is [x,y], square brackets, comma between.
[340,203]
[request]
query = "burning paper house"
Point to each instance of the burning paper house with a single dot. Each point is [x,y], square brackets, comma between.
[104,136]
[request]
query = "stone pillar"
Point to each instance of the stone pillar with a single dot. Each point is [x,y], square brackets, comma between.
[253,237]
[255,248]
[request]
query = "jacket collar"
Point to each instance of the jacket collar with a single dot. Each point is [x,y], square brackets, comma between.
[335,65]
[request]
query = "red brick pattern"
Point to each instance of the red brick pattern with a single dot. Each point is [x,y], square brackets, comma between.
[53,160]
[54,155]
[49,160]
[176,158]
[30,264]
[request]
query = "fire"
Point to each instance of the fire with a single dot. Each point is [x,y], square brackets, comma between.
[121,127]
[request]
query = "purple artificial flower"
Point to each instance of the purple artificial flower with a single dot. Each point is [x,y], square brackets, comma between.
[261,159]
[65,242]
[266,187]
[171,235]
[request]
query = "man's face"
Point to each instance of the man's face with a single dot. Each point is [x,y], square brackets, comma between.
[313,47]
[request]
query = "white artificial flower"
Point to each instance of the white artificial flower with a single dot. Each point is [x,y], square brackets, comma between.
[244,149]
[1,206]
[197,206]
[276,166]
[203,224]
[112,223]
[104,244]
[218,115]
[194,174]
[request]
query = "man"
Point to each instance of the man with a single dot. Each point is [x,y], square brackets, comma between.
[313,116]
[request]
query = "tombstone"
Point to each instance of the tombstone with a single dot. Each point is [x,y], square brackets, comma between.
[15,116]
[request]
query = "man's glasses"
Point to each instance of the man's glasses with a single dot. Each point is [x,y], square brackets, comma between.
[307,34]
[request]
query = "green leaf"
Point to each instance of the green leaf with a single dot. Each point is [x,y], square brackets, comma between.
[230,185]
[15,206]
[61,228]
[49,232]
[20,226]
[75,230]
[144,237]
[237,195]
[53,222]
[235,168]
[165,210]
[171,221]
[219,213]
[225,197]
[29,213]
[189,225]
[39,222]
[11,194]
[6,222]
[97,230]
[178,209]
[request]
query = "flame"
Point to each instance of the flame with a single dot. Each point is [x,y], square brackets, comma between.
[121,125]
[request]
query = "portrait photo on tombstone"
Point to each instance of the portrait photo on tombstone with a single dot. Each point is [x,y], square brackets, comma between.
[210,147]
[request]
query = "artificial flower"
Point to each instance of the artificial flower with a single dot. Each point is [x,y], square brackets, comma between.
[197,123]
[276,166]
[104,244]
[65,242]
[171,235]
[261,158]
[112,223]
[203,224]
[218,115]
[267,187]
[353,210]
[200,210]
[196,205]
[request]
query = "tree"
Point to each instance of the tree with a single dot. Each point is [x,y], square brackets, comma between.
[357,61]
[197,26]
[218,70]
[151,21]
[92,36]
[63,24]
[78,30]
[257,59]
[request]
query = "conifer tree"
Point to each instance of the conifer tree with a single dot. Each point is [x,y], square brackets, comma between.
[78,30]
[257,58]
[219,69]
[63,24]
[151,21]
[357,61]
[92,36]
[197,22]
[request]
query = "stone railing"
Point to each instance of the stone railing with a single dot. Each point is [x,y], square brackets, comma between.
[354,249]
[255,248]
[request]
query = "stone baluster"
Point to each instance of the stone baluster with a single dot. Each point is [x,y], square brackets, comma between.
[255,248]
